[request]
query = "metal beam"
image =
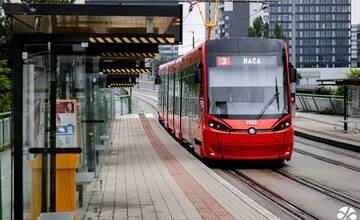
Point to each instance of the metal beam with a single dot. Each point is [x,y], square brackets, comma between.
[165,10]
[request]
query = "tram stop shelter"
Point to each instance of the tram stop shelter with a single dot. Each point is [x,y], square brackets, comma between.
[66,59]
[351,104]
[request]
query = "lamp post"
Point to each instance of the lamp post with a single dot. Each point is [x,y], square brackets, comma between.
[193,39]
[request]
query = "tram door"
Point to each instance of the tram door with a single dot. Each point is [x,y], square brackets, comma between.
[187,103]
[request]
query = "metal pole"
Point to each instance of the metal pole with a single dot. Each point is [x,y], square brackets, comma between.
[3,133]
[293,37]
[53,83]
[345,108]
[193,39]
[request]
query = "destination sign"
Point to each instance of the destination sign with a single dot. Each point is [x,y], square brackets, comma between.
[251,60]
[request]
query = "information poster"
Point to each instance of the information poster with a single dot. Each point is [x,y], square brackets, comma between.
[66,124]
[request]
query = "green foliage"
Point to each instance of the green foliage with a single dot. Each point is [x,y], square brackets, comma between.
[251,32]
[259,28]
[299,77]
[5,87]
[339,91]
[353,74]
[266,30]
[350,74]
[5,102]
[5,82]
[278,31]
[322,90]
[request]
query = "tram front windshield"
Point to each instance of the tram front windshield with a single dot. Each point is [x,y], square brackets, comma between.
[248,87]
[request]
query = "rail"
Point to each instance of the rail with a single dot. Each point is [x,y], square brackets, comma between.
[328,104]
[5,130]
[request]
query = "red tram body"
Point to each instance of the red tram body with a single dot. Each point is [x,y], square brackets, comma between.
[230,99]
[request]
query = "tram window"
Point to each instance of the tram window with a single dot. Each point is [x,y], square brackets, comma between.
[198,73]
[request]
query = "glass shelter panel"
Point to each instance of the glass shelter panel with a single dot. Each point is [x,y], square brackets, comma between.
[36,78]
[61,78]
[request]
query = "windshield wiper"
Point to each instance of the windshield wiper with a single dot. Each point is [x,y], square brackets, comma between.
[275,96]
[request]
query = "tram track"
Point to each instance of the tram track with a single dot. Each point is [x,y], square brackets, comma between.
[316,156]
[325,159]
[320,188]
[289,207]
[351,155]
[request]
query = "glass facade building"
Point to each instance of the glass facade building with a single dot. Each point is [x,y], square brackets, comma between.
[233,19]
[358,45]
[354,45]
[323,30]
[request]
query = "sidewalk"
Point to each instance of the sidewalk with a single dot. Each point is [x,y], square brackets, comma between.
[328,129]
[148,175]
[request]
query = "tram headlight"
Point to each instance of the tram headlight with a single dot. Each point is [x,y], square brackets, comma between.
[283,125]
[218,126]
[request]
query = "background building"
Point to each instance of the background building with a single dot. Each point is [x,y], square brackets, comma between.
[235,18]
[358,44]
[169,51]
[322,30]
[354,45]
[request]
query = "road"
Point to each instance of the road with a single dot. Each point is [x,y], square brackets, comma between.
[318,181]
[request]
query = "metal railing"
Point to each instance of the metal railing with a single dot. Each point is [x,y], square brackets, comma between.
[327,104]
[5,130]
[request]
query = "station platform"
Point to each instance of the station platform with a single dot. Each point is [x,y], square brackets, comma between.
[328,129]
[147,175]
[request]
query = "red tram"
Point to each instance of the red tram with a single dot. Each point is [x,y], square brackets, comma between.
[230,99]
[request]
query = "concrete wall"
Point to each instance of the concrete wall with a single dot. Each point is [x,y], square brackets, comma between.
[310,75]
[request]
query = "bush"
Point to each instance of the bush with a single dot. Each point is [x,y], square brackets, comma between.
[322,90]
[350,74]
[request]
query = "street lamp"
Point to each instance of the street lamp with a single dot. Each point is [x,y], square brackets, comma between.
[193,39]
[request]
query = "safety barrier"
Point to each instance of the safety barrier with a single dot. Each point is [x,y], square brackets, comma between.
[5,130]
[328,104]
[5,143]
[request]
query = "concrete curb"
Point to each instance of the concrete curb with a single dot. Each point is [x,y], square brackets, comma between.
[338,144]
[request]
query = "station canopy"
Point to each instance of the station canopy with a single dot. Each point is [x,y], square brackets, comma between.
[122,35]
[99,20]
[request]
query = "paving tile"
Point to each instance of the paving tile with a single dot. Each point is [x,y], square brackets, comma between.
[138,184]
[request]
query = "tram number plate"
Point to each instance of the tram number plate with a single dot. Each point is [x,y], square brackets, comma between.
[223,61]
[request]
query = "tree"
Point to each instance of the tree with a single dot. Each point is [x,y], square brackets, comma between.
[259,28]
[5,82]
[278,31]
[266,30]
